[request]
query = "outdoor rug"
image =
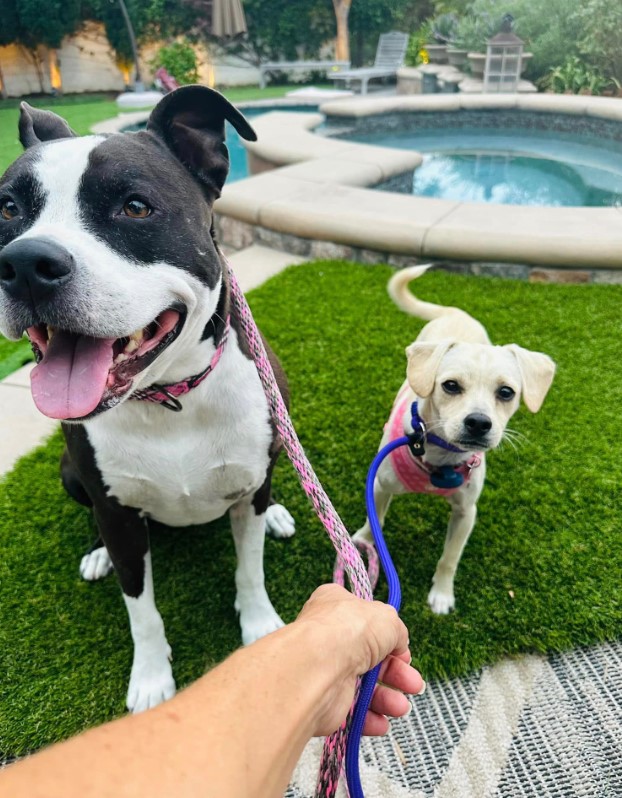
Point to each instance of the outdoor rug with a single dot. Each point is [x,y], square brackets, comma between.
[534,727]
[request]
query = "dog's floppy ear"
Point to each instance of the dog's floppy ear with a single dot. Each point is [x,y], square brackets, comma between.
[37,126]
[537,371]
[191,120]
[423,362]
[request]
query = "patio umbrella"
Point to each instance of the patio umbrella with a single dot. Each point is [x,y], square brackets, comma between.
[228,18]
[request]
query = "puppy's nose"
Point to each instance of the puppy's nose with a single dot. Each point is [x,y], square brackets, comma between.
[33,268]
[477,424]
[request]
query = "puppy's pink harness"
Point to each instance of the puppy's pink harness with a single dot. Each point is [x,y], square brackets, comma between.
[411,471]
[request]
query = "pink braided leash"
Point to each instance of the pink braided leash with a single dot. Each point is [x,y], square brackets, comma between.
[347,554]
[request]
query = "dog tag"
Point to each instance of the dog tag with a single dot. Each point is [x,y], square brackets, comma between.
[446,478]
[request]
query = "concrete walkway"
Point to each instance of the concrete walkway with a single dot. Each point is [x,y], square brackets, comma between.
[22,426]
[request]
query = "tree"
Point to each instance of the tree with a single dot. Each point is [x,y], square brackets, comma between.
[601,36]
[342,42]
[370,18]
[8,33]
[277,29]
[49,21]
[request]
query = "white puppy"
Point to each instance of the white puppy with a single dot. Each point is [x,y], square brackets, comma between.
[466,390]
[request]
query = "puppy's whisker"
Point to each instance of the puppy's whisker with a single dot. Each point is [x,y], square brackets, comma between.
[514,439]
[515,435]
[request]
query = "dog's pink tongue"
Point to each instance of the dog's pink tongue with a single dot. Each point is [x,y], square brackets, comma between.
[70,380]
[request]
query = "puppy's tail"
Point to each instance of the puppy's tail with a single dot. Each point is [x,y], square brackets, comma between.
[408,302]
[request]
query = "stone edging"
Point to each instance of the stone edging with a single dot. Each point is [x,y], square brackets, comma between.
[320,194]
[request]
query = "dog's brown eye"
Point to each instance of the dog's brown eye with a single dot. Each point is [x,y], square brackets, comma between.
[451,387]
[8,209]
[136,209]
[505,393]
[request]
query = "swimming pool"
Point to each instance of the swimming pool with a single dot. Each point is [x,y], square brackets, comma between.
[519,165]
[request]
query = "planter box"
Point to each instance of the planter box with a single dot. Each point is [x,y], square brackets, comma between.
[477,62]
[456,57]
[437,53]
[525,59]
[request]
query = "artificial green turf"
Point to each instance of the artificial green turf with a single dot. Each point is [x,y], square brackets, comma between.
[541,572]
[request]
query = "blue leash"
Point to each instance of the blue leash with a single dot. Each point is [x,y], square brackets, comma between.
[368,681]
[446,478]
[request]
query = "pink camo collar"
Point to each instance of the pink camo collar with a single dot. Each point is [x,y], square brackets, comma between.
[166,395]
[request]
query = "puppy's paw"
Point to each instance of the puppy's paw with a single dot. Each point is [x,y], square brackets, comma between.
[258,621]
[150,684]
[441,603]
[279,522]
[96,564]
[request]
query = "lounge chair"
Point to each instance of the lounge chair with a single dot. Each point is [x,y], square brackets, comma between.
[389,58]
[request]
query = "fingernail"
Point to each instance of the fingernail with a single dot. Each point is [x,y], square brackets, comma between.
[408,711]
[422,691]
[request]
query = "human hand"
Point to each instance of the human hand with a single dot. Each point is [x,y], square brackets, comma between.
[352,636]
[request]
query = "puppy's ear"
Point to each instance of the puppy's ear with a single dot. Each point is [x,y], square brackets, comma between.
[423,363]
[537,371]
[191,120]
[36,126]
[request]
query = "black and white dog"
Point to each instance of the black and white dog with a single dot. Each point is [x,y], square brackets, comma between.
[108,262]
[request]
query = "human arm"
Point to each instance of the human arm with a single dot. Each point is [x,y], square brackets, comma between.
[239,730]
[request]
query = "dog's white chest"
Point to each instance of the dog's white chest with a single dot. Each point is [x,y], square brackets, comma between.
[184,471]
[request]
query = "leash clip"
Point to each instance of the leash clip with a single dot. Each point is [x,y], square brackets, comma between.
[416,438]
[171,402]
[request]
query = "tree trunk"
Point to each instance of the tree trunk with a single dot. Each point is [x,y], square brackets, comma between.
[342,43]
[130,30]
[3,91]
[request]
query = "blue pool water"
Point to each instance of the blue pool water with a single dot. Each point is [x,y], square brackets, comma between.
[238,168]
[513,166]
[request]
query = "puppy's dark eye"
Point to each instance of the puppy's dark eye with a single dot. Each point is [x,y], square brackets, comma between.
[8,209]
[505,393]
[136,209]
[451,387]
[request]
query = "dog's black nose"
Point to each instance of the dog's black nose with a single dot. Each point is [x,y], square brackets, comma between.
[477,424]
[33,268]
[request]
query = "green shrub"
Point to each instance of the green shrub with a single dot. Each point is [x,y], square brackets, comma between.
[551,31]
[601,35]
[415,52]
[180,60]
[576,77]
[482,21]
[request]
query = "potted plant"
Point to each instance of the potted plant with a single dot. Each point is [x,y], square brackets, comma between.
[472,34]
[456,56]
[441,32]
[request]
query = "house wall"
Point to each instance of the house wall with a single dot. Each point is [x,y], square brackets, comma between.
[87,64]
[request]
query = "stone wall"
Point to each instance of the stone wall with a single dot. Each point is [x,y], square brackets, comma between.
[235,234]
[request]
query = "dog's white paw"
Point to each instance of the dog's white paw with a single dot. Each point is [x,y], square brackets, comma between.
[151,683]
[96,564]
[258,621]
[441,603]
[279,522]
